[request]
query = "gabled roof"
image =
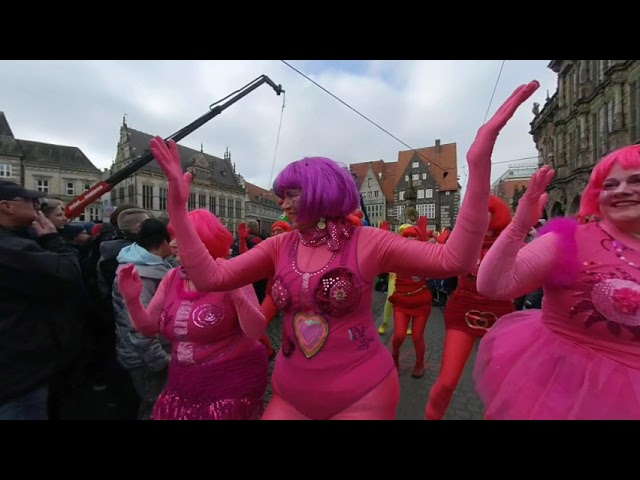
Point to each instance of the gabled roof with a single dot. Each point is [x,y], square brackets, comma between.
[5,129]
[439,159]
[223,172]
[59,156]
[260,195]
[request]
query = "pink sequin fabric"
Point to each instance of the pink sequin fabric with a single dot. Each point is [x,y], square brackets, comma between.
[335,232]
[216,373]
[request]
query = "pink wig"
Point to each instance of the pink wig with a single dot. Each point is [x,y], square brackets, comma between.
[216,238]
[627,157]
[327,188]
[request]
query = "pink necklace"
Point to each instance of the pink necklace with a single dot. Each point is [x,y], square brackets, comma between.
[619,248]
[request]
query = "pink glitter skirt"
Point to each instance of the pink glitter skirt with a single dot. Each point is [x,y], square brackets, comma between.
[228,390]
[525,371]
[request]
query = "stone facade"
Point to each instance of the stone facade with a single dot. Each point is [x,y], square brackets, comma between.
[372,195]
[595,110]
[215,187]
[60,171]
[263,206]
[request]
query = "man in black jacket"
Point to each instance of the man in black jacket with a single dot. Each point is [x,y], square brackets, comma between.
[38,278]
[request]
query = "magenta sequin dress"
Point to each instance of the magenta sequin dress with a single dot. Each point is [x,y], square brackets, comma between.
[216,372]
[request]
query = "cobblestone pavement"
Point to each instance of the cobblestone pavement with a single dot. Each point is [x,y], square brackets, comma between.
[465,404]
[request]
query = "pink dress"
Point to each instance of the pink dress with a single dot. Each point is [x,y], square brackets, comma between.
[579,357]
[217,371]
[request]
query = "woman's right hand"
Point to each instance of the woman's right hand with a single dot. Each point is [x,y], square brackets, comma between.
[168,157]
[534,199]
[479,155]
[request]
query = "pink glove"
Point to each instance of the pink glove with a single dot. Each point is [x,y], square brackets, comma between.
[130,284]
[243,231]
[479,155]
[534,199]
[169,160]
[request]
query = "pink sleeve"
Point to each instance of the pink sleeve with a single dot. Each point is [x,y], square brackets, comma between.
[250,315]
[208,274]
[147,321]
[510,271]
[382,251]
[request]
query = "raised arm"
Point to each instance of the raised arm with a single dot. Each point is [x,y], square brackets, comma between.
[510,270]
[206,273]
[461,252]
[145,320]
[250,315]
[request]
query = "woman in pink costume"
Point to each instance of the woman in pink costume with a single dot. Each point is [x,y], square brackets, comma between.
[467,317]
[579,357]
[332,364]
[218,368]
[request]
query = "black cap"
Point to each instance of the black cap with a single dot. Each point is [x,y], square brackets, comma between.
[11,190]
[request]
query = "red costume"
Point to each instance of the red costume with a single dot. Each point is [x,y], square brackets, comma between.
[467,316]
[412,302]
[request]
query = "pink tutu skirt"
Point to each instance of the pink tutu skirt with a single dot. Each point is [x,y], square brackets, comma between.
[525,371]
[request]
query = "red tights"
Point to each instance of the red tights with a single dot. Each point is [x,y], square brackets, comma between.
[457,348]
[270,312]
[401,324]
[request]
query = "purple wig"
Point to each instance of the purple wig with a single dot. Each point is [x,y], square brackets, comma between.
[327,189]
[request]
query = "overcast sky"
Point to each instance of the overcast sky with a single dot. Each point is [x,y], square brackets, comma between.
[82,103]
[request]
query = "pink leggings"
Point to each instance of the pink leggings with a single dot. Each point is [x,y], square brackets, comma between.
[379,404]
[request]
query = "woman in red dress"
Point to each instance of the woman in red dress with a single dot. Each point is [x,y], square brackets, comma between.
[467,316]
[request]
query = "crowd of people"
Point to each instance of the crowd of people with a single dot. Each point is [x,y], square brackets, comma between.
[176,314]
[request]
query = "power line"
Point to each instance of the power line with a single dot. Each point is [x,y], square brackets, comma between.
[494,92]
[444,170]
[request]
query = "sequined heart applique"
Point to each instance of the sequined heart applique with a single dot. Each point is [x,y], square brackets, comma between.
[480,320]
[311,332]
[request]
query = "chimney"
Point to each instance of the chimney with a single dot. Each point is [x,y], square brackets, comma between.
[437,146]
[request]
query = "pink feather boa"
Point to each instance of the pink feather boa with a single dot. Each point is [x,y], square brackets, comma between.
[567,264]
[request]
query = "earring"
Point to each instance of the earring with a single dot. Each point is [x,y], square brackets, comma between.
[321,224]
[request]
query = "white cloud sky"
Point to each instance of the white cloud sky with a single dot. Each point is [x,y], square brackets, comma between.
[81,103]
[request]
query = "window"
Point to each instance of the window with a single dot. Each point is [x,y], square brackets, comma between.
[415,177]
[238,208]
[230,207]
[429,193]
[42,186]
[222,210]
[192,201]
[70,190]
[424,176]
[415,164]
[447,193]
[202,201]
[162,197]
[420,193]
[401,195]
[212,204]
[132,194]
[147,197]
[375,194]
[87,186]
[406,178]
[369,182]
[634,111]
[399,209]
[5,171]
[431,210]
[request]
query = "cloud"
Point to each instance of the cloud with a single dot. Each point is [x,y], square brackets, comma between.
[82,103]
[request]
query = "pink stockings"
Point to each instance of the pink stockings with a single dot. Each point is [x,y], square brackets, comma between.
[379,404]
[457,348]
[400,325]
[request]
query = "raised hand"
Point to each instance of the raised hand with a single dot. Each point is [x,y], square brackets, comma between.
[385,226]
[442,237]
[421,225]
[528,211]
[130,284]
[479,155]
[42,225]
[167,156]
[243,231]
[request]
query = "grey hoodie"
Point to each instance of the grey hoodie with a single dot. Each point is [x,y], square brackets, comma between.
[133,349]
